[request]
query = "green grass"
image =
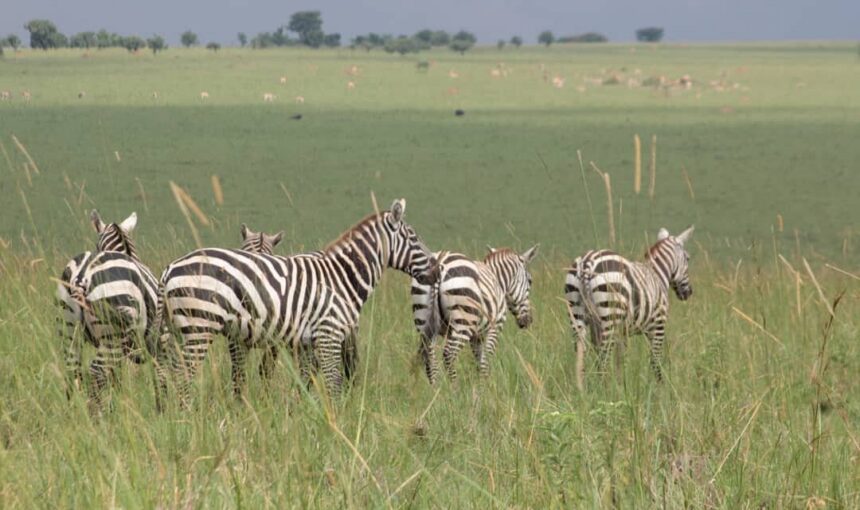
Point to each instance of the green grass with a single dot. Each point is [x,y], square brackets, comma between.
[759,405]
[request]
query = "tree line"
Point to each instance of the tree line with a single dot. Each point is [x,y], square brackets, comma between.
[304,29]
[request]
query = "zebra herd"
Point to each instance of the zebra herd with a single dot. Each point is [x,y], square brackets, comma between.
[310,302]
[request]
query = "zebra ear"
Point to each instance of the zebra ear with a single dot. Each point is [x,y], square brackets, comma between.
[129,223]
[244,230]
[491,249]
[98,224]
[531,253]
[684,236]
[275,239]
[398,209]
[662,234]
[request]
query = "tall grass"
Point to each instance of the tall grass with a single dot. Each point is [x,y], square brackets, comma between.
[756,409]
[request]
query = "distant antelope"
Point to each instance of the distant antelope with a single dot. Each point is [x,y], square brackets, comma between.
[26,95]
[495,73]
[154,94]
[300,99]
[204,95]
[453,91]
[558,82]
[283,80]
[268,97]
[82,94]
[5,95]
[453,74]
[350,85]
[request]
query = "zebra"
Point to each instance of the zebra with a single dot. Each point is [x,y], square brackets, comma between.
[261,242]
[468,304]
[111,297]
[606,292]
[311,300]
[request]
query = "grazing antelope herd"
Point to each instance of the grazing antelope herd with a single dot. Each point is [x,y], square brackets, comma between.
[310,303]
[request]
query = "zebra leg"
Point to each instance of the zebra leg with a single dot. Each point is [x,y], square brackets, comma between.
[428,355]
[238,355]
[453,343]
[580,330]
[267,364]
[161,365]
[73,344]
[489,350]
[605,344]
[656,335]
[187,361]
[350,354]
[329,353]
[103,368]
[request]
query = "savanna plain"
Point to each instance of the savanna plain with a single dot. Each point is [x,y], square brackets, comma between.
[759,407]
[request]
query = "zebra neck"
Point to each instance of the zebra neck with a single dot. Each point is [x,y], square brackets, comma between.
[502,276]
[359,263]
[659,268]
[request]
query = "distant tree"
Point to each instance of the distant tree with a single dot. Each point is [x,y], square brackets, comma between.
[243,39]
[517,41]
[262,40]
[308,24]
[314,39]
[462,42]
[501,44]
[360,41]
[44,35]
[649,34]
[424,36]
[402,45]
[133,43]
[13,41]
[588,37]
[103,39]
[213,46]
[280,37]
[83,40]
[440,38]
[332,40]
[376,40]
[188,38]
[156,43]
[546,38]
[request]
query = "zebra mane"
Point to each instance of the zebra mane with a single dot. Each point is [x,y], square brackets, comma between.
[113,238]
[499,253]
[656,247]
[346,235]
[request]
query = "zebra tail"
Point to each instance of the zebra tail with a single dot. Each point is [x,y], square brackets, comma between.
[433,326]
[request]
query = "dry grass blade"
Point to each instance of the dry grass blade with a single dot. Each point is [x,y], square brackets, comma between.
[358,456]
[844,272]
[177,195]
[373,201]
[738,439]
[637,164]
[6,156]
[217,190]
[287,193]
[757,325]
[26,154]
[610,210]
[689,182]
[142,194]
[818,287]
[192,205]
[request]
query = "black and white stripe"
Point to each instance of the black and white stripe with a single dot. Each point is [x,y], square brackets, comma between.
[468,304]
[304,300]
[610,295]
[110,300]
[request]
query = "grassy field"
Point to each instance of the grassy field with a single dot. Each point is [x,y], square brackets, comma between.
[757,410]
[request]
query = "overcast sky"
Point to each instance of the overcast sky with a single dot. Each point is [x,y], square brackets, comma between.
[490,20]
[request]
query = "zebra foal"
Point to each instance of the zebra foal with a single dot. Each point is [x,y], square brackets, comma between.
[609,295]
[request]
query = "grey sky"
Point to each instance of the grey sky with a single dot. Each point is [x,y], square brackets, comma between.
[490,20]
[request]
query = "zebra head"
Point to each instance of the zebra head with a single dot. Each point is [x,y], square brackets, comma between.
[407,252]
[670,255]
[259,242]
[114,236]
[512,270]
